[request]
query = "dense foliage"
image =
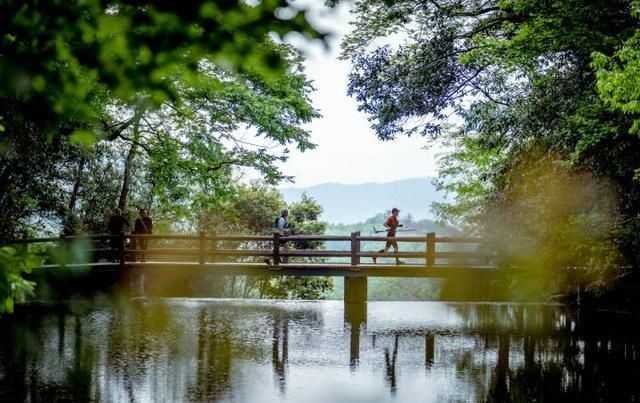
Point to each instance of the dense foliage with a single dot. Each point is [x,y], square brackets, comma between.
[252,210]
[545,159]
[132,104]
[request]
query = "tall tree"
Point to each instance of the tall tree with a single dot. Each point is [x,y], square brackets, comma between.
[520,74]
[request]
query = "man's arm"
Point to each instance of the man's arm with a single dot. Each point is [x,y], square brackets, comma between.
[389,224]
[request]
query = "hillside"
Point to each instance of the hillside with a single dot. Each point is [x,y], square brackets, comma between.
[355,203]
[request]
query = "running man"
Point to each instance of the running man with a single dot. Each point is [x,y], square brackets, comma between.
[391,224]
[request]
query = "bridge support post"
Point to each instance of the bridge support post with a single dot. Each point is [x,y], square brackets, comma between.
[214,247]
[355,249]
[203,247]
[355,300]
[122,255]
[431,249]
[276,248]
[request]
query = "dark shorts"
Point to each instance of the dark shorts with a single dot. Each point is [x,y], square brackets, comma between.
[390,244]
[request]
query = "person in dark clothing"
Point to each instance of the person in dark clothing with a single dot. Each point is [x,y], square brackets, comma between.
[117,222]
[142,226]
[115,227]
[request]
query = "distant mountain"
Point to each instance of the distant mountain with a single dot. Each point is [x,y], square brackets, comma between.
[355,203]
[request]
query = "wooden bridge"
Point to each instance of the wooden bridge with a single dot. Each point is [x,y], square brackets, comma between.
[137,256]
[246,254]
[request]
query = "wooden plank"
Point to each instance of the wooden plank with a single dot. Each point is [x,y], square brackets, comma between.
[414,255]
[248,238]
[464,255]
[167,237]
[316,238]
[415,239]
[289,269]
[459,240]
[240,238]
[309,269]
[29,240]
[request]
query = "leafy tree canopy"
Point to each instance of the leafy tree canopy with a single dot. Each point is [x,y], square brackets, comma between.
[537,117]
[59,59]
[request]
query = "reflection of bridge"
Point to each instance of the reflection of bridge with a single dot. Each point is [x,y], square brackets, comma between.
[190,255]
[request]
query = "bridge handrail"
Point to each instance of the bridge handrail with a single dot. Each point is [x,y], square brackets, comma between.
[206,246]
[191,237]
[420,239]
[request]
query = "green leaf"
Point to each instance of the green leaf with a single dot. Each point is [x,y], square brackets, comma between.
[83,138]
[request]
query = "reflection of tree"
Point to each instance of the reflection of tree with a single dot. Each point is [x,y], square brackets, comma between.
[214,358]
[503,353]
[23,348]
[132,347]
[499,389]
[134,332]
[14,354]
[564,354]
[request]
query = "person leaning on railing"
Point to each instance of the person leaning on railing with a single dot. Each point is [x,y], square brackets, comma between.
[282,226]
[142,226]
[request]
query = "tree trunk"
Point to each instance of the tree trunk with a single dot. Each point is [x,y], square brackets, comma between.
[126,178]
[70,224]
[128,166]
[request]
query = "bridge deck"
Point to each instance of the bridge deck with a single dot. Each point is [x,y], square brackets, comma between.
[289,269]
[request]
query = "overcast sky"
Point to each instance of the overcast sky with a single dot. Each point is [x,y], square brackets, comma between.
[348,150]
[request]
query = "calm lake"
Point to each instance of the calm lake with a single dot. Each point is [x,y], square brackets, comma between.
[279,351]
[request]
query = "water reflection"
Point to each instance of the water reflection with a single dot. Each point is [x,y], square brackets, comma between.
[429,350]
[280,341]
[208,350]
[390,365]
[214,361]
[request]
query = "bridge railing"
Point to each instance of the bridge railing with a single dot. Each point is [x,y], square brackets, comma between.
[213,248]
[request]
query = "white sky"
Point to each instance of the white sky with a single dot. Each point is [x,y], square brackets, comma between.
[348,151]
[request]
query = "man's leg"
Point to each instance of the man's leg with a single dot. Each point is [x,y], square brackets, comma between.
[375,258]
[384,250]
[395,250]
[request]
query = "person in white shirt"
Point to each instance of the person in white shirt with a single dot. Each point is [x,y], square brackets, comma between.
[282,226]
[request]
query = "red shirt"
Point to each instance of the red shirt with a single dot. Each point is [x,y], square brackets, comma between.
[392,222]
